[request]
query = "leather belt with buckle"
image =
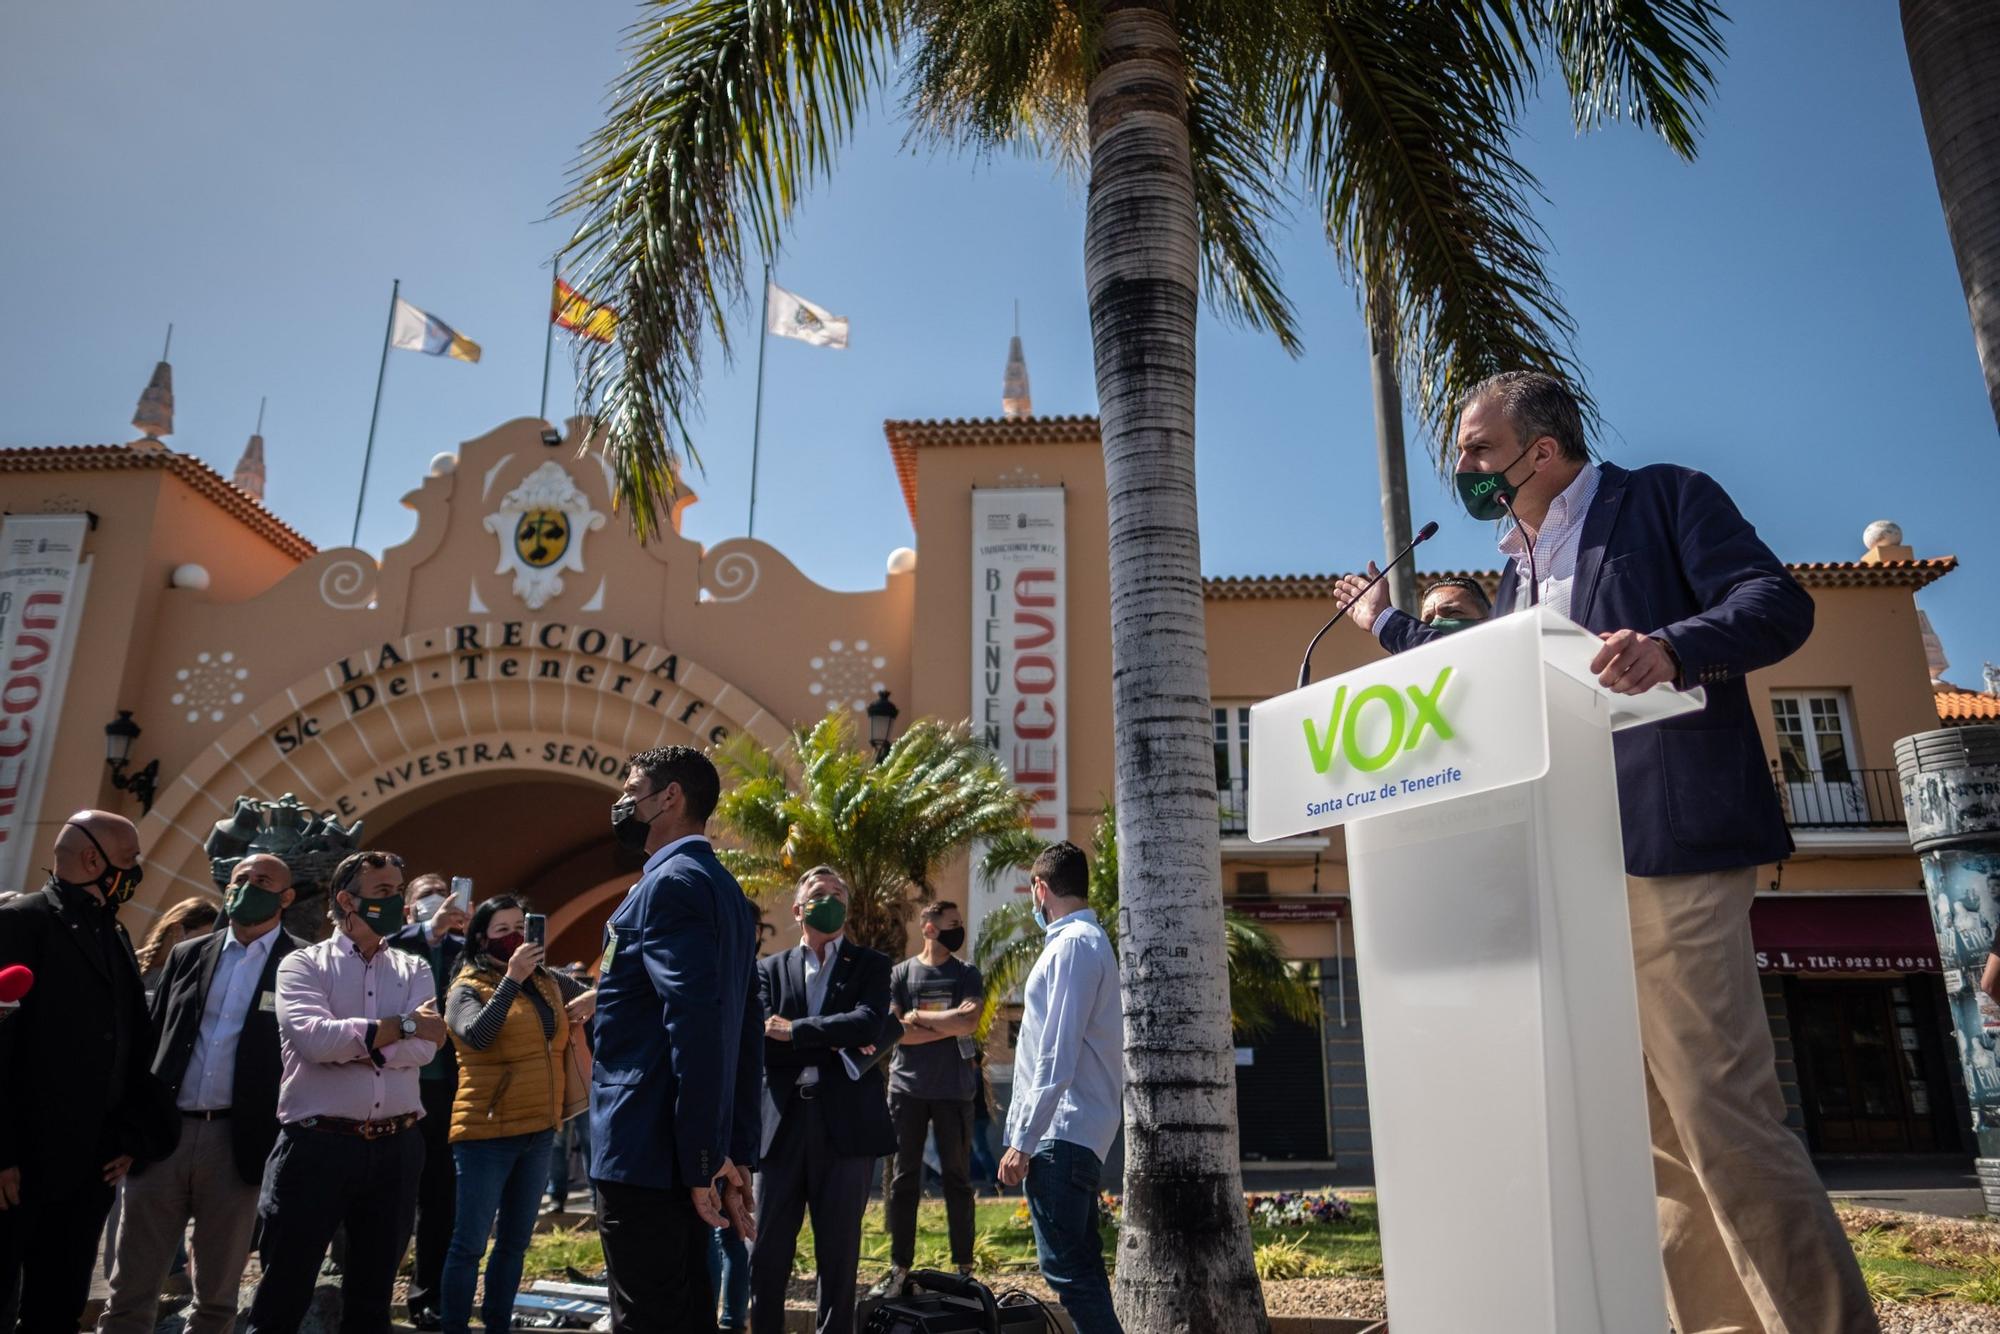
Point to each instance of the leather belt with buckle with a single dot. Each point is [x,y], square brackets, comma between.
[207,1114]
[342,1125]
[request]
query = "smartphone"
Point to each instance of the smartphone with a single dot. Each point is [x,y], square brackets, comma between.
[536,929]
[461,892]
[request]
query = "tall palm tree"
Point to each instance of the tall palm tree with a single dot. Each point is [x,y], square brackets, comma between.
[1954,49]
[887,827]
[1263,987]
[1187,116]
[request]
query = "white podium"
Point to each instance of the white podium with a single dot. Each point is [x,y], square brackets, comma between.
[1494,957]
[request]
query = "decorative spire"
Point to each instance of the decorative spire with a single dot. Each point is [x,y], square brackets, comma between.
[249,476]
[1015,401]
[1934,658]
[154,417]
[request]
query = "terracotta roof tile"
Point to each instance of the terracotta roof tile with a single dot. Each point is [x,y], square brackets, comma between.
[907,437]
[198,475]
[1957,707]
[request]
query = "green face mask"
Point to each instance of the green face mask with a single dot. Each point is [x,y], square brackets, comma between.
[382,916]
[1489,495]
[825,914]
[247,905]
[1451,625]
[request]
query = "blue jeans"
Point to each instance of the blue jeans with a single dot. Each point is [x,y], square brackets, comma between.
[497,1178]
[729,1275]
[1062,1186]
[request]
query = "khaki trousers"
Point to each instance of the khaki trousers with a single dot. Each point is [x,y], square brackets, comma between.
[199,1180]
[1749,1240]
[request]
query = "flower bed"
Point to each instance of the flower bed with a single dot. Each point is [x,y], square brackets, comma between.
[1318,1208]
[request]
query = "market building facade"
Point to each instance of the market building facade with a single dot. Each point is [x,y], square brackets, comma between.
[468,699]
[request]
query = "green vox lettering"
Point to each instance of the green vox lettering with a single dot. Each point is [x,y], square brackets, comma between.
[1410,712]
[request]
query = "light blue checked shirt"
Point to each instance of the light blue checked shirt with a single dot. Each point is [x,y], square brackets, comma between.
[1069,1063]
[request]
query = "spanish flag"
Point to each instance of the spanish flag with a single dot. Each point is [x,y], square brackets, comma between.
[415,331]
[573,311]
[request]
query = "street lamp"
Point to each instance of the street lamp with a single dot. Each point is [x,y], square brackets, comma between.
[119,734]
[881,724]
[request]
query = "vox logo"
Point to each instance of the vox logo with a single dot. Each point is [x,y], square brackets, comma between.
[1409,713]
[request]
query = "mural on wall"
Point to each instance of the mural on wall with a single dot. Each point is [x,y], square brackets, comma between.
[541,525]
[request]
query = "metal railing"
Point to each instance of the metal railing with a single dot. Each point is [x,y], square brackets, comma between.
[1233,807]
[1850,799]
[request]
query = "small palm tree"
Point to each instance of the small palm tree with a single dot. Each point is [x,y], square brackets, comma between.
[887,827]
[1263,986]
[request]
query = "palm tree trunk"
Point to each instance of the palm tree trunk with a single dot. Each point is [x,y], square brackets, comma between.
[1184,1259]
[1954,50]
[1391,460]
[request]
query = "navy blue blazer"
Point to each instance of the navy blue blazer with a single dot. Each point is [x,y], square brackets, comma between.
[679,1030]
[1666,552]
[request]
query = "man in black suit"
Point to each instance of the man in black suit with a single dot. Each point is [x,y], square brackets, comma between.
[436,934]
[215,1046]
[75,1104]
[826,1108]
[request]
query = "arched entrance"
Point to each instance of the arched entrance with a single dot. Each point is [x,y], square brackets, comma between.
[483,745]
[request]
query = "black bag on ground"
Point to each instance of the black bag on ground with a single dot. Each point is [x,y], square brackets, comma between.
[940,1303]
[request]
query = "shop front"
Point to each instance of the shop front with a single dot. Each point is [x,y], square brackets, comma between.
[1857,1004]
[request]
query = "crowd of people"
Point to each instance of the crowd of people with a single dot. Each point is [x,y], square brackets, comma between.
[427,1076]
[423,1075]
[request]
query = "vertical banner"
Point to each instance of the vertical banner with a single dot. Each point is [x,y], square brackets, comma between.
[1019,672]
[41,562]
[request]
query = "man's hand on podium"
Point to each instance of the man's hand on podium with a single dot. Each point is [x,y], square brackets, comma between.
[1631,663]
[1366,608]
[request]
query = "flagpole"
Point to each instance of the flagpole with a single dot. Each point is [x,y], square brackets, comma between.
[757,422]
[548,349]
[375,413]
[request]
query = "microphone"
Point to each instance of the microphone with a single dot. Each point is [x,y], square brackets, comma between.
[1534,579]
[1424,534]
[15,982]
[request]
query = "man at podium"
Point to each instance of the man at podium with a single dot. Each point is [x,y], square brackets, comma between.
[1661,565]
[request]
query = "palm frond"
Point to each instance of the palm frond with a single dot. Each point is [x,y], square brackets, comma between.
[1231,133]
[1264,986]
[1401,116]
[726,113]
[987,74]
[888,827]
[1642,60]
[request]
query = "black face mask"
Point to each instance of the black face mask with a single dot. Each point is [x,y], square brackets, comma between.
[115,883]
[952,938]
[628,826]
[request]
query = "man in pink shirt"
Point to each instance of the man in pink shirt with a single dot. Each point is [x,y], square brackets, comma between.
[356,1022]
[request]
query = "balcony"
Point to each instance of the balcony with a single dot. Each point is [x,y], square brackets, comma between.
[1850,806]
[1233,808]
[1852,799]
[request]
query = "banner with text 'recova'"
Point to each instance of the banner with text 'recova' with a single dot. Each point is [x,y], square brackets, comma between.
[1020,671]
[42,579]
[1460,715]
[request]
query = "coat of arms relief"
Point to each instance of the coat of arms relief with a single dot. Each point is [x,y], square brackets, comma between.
[541,524]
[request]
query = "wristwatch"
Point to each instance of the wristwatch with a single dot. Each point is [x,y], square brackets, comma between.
[408,1024]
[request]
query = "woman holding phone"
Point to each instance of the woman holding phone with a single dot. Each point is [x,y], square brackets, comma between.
[511,1022]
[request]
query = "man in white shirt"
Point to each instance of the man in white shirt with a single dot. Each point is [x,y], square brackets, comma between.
[215,1041]
[1069,1088]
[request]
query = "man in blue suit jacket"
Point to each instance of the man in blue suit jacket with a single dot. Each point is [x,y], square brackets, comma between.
[678,1033]
[1661,565]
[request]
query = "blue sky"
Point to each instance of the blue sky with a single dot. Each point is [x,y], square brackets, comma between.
[1783,313]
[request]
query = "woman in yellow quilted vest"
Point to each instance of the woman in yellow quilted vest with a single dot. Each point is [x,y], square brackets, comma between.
[511,1021]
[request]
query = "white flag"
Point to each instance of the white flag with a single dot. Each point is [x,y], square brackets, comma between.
[790,315]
